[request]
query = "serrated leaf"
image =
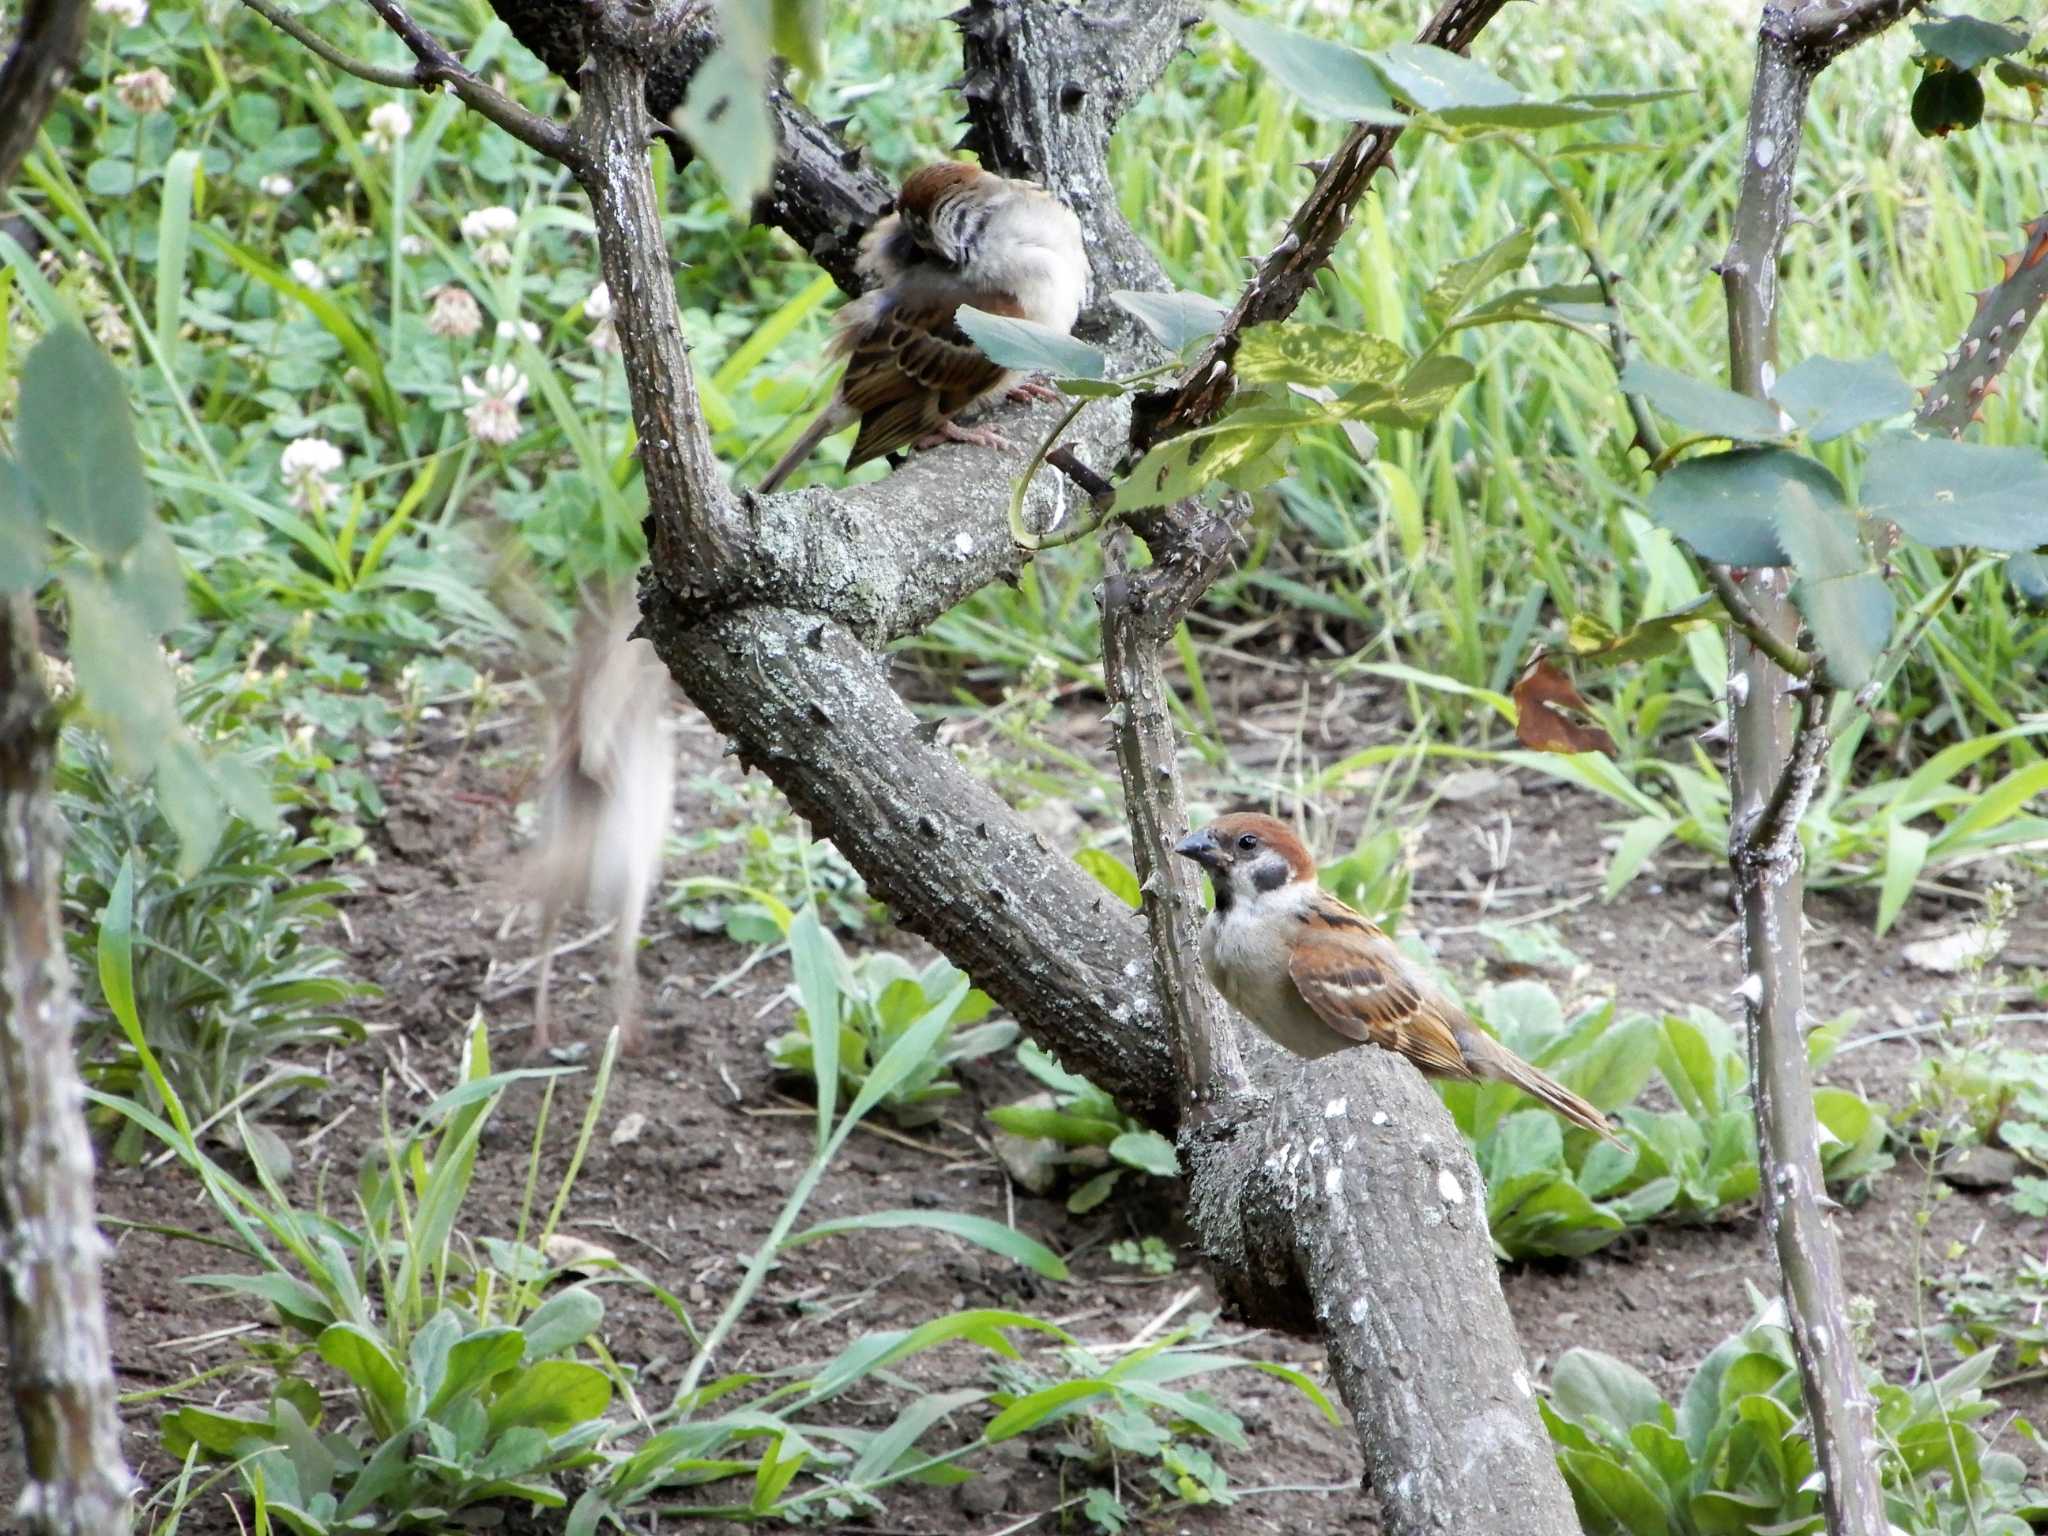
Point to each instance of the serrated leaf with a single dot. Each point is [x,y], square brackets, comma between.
[1172,319]
[1965,41]
[77,444]
[1029,346]
[1330,79]
[1851,619]
[1297,352]
[1727,506]
[725,113]
[1947,494]
[1830,396]
[1701,406]
[1458,282]
[22,564]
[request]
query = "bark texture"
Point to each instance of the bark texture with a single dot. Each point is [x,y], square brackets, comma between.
[58,1360]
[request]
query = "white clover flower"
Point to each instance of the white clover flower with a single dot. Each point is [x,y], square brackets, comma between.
[599,305]
[507,329]
[130,13]
[494,254]
[494,418]
[111,329]
[411,245]
[305,465]
[388,124]
[481,224]
[275,186]
[145,90]
[455,314]
[307,274]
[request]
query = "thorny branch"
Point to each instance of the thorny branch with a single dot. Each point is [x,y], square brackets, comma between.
[438,67]
[290,25]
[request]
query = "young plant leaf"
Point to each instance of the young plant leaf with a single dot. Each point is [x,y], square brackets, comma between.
[1829,396]
[1172,319]
[1030,347]
[725,113]
[992,1235]
[1966,42]
[1458,283]
[77,444]
[1700,406]
[1727,506]
[1297,352]
[22,563]
[1437,80]
[1851,619]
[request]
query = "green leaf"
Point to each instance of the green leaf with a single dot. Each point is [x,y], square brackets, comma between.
[1948,494]
[1700,406]
[1947,101]
[1829,396]
[1437,80]
[560,1323]
[1589,1386]
[1114,873]
[1030,347]
[362,1358]
[815,958]
[474,1361]
[1035,1408]
[1728,506]
[22,562]
[555,1395]
[908,1052]
[1905,855]
[1589,639]
[725,113]
[1147,1151]
[1851,619]
[1172,319]
[1182,466]
[121,674]
[1967,42]
[77,444]
[1061,1125]
[1459,282]
[1331,80]
[1612,1499]
[190,803]
[799,31]
[1297,352]
[2029,577]
[150,581]
[992,1235]
[1094,1192]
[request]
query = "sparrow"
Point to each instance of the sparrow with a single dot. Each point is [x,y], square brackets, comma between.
[959,235]
[1316,977]
[606,792]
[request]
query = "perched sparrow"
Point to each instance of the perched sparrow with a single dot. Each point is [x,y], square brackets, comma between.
[605,797]
[959,235]
[1317,977]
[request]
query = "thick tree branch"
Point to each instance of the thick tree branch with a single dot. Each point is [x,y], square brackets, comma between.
[1776,763]
[1289,269]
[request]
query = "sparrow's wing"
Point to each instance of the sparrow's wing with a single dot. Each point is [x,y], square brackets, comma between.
[910,369]
[1358,984]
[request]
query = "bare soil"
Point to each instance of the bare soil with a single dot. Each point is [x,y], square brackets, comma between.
[436,926]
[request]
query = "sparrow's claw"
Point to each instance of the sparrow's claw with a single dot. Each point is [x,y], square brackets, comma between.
[1033,390]
[953,432]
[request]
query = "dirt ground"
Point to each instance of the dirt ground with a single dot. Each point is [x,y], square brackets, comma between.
[690,1197]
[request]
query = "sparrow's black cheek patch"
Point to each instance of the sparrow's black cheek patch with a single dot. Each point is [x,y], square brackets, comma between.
[1223,895]
[1270,874]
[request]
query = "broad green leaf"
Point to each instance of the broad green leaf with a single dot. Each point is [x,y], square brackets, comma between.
[474,1361]
[992,1235]
[1147,1151]
[149,581]
[1034,1409]
[2029,577]
[1589,639]
[799,32]
[186,794]
[1458,283]
[1830,396]
[725,113]
[1611,1499]
[1031,347]
[1061,1125]
[1182,466]
[1967,42]
[1113,873]
[1851,619]
[1639,840]
[173,243]
[1173,319]
[561,1322]
[22,561]
[121,675]
[1331,80]
[362,1358]
[225,1435]
[1094,1192]
[1298,352]
[1703,407]
[554,1395]
[1949,494]
[1437,80]
[1905,855]
[1591,1387]
[1728,506]
[907,1052]
[77,444]
[1613,1072]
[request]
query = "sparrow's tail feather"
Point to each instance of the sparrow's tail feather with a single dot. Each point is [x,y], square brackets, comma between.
[1493,1060]
[823,426]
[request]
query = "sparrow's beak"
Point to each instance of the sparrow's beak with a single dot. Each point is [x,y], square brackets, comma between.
[1201,847]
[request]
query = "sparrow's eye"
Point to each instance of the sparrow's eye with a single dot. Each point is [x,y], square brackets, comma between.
[1249,841]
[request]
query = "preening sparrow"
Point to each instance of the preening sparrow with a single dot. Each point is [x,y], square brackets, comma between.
[959,235]
[606,793]
[1317,977]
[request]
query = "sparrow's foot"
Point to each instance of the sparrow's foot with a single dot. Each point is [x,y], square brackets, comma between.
[953,432]
[1033,390]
